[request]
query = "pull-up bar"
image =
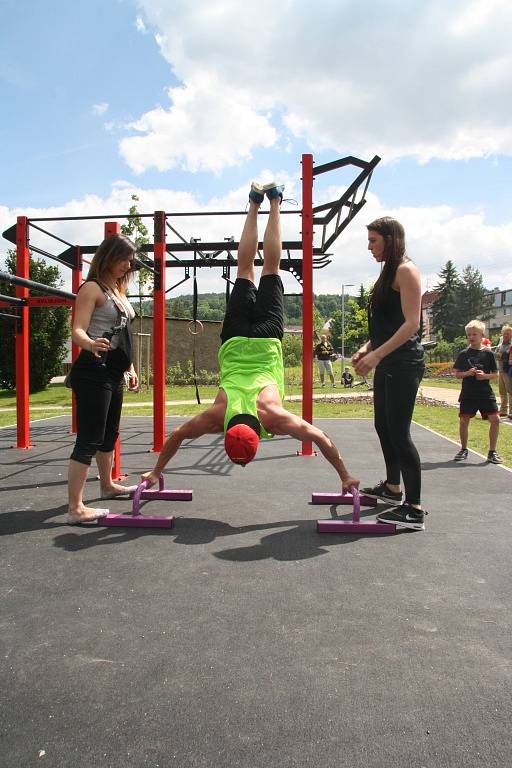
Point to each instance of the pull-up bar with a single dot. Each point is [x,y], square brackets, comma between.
[8,278]
[172,214]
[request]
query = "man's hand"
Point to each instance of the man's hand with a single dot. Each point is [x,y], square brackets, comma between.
[358,356]
[350,482]
[151,478]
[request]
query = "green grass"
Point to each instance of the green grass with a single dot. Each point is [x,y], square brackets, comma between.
[442,419]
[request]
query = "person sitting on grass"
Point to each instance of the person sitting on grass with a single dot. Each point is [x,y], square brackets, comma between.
[347,378]
[476,366]
[248,405]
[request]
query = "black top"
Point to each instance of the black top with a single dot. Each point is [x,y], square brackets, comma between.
[384,323]
[483,360]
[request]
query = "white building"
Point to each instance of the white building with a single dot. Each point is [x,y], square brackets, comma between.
[502,311]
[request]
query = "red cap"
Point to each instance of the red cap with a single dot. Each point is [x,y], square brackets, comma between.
[241,443]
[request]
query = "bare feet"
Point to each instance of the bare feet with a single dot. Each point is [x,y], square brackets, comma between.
[116,489]
[85,515]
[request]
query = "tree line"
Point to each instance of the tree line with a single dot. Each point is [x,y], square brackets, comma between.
[460,298]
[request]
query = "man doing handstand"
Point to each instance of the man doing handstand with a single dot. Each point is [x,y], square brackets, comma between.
[248,405]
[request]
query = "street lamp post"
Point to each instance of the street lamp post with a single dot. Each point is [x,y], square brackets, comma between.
[343,286]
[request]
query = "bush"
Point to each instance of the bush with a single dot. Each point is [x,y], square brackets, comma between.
[184,375]
[292,350]
[438,370]
[48,331]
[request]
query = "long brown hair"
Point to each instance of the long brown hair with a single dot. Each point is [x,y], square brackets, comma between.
[394,254]
[112,249]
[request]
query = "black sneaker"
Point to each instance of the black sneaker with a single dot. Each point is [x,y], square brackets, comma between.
[381,491]
[404,516]
[493,457]
[461,455]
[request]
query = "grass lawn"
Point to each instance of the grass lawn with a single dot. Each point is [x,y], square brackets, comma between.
[56,400]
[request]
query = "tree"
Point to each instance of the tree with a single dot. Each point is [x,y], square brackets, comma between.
[357,332]
[49,331]
[475,301]
[363,298]
[446,312]
[318,321]
[292,350]
[356,327]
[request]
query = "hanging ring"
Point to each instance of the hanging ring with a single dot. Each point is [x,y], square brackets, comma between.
[195,323]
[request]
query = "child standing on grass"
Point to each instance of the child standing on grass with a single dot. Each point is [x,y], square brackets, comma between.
[476,366]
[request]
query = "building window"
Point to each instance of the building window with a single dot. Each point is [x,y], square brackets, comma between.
[497,300]
[508,297]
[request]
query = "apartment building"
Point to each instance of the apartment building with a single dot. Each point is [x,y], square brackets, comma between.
[427,300]
[502,311]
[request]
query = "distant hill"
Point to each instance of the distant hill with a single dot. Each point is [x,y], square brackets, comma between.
[211,306]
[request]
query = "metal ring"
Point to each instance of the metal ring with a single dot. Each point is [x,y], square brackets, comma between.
[196,323]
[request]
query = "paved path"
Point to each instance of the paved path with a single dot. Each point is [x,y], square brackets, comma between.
[242,638]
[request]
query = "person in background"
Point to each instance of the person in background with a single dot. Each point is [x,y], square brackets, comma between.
[101,328]
[394,350]
[347,378]
[323,353]
[476,366]
[504,360]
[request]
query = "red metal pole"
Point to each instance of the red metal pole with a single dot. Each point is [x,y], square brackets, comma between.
[307,296]
[114,228]
[76,282]
[159,333]
[22,337]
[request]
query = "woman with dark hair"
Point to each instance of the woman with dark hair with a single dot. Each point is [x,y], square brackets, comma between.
[394,350]
[101,328]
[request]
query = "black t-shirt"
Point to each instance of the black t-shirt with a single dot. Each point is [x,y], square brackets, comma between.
[483,360]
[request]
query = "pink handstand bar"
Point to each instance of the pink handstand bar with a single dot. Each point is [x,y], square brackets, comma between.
[356,525]
[137,519]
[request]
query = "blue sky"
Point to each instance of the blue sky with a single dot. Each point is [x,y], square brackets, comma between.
[184,103]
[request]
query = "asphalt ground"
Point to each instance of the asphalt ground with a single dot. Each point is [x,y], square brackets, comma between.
[242,637]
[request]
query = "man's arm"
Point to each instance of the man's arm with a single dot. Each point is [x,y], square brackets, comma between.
[279,421]
[210,421]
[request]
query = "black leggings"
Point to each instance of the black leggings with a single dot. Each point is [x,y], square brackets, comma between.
[394,396]
[99,399]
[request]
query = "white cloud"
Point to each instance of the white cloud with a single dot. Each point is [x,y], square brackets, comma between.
[419,78]
[139,24]
[434,234]
[100,109]
[209,126]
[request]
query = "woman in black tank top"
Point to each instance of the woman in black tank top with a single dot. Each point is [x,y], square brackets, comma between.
[394,350]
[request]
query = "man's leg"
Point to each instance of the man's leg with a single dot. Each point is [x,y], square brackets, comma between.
[248,244]
[268,316]
[272,243]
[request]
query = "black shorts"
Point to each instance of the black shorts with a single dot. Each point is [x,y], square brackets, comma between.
[486,406]
[256,313]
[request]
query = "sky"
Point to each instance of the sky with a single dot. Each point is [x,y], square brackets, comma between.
[185,102]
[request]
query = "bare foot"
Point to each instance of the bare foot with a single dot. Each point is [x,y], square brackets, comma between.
[84,515]
[116,488]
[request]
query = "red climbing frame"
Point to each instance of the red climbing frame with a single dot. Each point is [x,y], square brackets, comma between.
[324,215]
